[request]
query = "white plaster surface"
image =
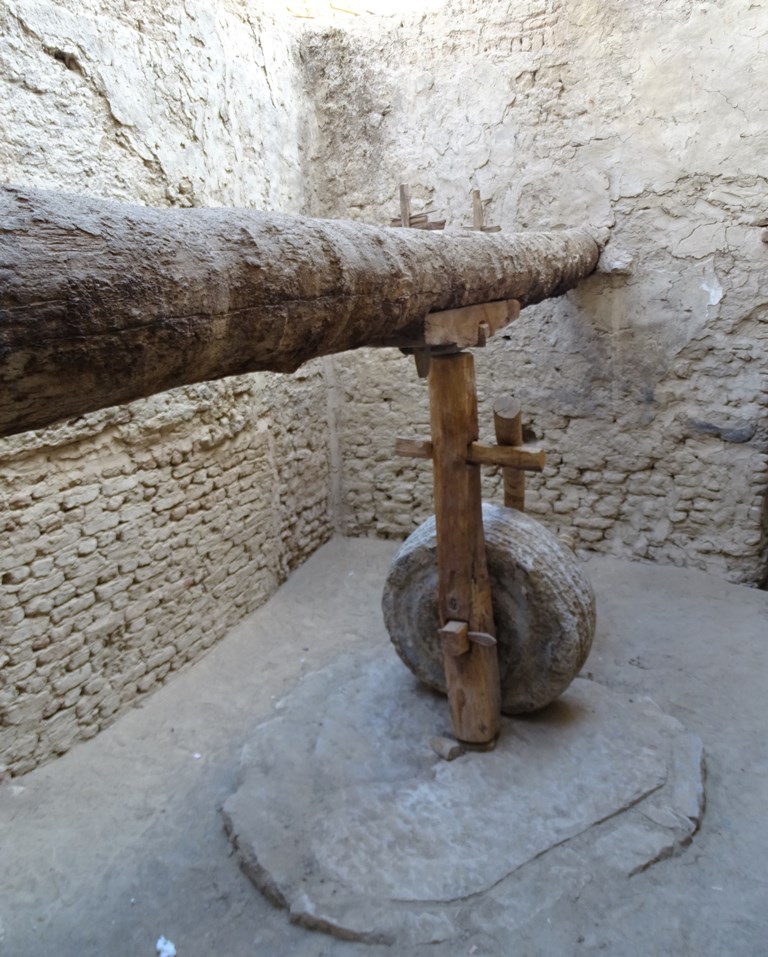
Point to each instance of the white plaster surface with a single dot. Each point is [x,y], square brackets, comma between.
[184,104]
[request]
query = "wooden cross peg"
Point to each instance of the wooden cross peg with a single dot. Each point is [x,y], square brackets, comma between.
[410,220]
[478,214]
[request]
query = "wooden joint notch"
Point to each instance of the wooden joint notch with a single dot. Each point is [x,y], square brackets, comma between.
[456,639]
[528,458]
[414,448]
[470,325]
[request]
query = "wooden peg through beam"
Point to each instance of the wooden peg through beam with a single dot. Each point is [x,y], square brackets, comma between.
[482,639]
[478,215]
[405,205]
[530,458]
[471,325]
[477,210]
[454,638]
[413,448]
[414,220]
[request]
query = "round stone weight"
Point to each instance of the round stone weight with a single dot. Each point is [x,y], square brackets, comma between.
[543,608]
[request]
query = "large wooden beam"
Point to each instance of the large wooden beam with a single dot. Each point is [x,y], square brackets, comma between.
[102,302]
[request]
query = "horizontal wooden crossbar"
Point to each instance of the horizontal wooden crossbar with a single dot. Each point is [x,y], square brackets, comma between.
[413,448]
[528,458]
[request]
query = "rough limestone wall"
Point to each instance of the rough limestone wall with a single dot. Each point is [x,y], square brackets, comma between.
[648,384]
[185,104]
[133,538]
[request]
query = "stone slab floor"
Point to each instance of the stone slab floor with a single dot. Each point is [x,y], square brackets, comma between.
[120,841]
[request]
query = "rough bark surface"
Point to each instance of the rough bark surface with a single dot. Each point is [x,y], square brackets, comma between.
[103,302]
[543,608]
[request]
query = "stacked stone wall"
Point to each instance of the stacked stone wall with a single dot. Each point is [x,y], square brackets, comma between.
[132,544]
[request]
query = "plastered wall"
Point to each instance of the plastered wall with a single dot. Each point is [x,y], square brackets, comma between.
[648,383]
[133,538]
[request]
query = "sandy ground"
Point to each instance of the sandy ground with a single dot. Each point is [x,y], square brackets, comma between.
[120,841]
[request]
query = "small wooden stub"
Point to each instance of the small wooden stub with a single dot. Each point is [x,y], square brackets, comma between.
[405,205]
[446,748]
[508,425]
[528,457]
[470,326]
[413,448]
[478,213]
[454,638]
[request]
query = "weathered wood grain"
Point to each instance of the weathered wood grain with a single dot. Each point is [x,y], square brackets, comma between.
[463,585]
[508,425]
[103,302]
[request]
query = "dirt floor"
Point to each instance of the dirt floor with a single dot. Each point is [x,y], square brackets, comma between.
[121,841]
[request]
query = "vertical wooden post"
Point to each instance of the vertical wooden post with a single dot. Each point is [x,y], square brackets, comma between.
[508,423]
[477,210]
[464,590]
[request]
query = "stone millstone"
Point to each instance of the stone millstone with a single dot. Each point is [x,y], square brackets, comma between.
[543,607]
[345,816]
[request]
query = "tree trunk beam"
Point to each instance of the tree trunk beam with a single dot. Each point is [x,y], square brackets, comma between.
[102,302]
